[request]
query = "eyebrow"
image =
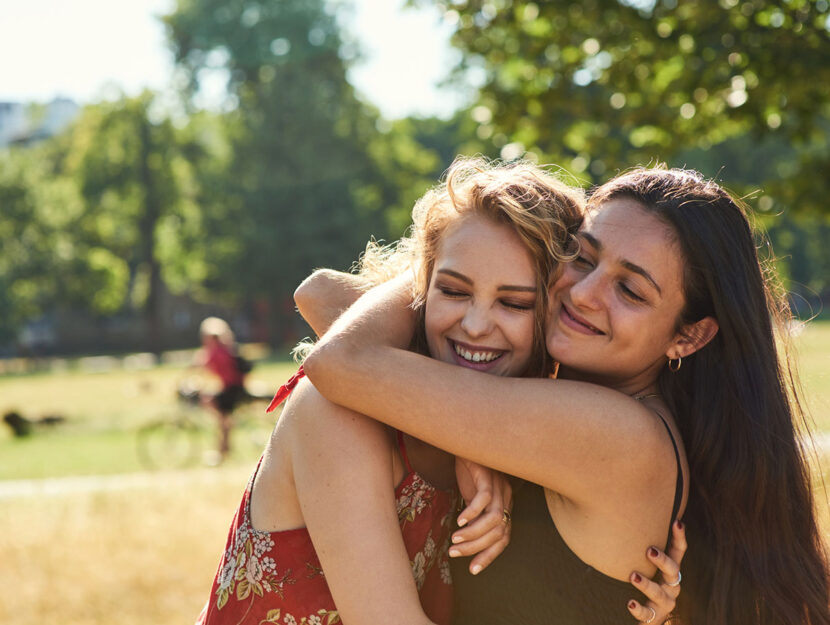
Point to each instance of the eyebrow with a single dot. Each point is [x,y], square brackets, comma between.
[503,287]
[597,244]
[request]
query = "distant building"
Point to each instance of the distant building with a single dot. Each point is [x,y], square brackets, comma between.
[17,128]
[13,123]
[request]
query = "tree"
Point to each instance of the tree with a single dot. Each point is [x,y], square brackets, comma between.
[128,165]
[45,263]
[300,189]
[601,84]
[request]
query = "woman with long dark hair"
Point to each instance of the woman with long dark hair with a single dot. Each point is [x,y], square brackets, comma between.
[663,327]
[758,556]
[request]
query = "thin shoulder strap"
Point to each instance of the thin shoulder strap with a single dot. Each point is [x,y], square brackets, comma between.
[402,449]
[678,487]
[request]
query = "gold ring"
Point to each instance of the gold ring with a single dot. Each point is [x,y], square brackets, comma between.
[653,615]
[505,516]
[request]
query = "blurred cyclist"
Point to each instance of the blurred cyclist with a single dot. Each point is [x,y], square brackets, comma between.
[218,355]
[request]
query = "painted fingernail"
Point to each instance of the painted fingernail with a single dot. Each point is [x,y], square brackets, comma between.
[680,525]
[632,604]
[476,569]
[652,552]
[457,539]
[636,577]
[462,522]
[454,553]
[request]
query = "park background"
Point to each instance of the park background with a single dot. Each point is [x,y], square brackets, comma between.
[269,152]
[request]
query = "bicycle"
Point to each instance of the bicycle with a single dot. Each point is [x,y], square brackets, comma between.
[180,440]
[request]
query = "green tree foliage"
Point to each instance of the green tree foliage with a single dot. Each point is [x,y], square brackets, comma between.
[614,81]
[127,164]
[309,176]
[45,264]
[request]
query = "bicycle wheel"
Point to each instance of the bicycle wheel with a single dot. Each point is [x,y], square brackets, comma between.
[168,445]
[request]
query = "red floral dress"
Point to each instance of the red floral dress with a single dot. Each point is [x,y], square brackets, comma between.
[276,577]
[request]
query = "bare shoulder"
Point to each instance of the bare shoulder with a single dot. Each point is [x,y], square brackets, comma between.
[674,441]
[311,422]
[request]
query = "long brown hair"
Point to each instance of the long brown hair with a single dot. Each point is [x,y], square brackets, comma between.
[756,555]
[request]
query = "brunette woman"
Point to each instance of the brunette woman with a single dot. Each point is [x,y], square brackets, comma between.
[663,329]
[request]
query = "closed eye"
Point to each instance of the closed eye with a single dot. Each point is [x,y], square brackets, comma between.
[448,292]
[516,305]
[630,294]
[582,262]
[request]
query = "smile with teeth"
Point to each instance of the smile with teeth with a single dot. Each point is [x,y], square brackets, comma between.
[475,355]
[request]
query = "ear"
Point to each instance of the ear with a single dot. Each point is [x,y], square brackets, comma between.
[693,337]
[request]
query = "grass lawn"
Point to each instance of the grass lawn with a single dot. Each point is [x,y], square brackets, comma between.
[136,556]
[103,412]
[812,349]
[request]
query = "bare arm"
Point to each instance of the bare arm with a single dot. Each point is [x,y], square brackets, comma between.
[342,464]
[567,436]
[325,294]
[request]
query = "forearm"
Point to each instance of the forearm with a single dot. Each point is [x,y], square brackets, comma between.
[342,467]
[325,294]
[565,429]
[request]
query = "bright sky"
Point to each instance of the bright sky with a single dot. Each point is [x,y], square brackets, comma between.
[76,48]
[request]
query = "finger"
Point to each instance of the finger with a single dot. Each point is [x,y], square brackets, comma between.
[484,550]
[643,614]
[677,548]
[472,547]
[479,502]
[669,569]
[479,526]
[483,559]
[658,594]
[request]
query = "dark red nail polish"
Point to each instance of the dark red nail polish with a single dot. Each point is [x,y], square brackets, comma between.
[632,605]
[680,525]
[652,552]
[637,578]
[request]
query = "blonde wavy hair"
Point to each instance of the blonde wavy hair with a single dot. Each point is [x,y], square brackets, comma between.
[541,209]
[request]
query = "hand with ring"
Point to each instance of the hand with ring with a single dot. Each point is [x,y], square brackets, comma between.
[485,521]
[662,597]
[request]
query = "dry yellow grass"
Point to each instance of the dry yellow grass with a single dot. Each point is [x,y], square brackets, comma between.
[141,555]
[136,556]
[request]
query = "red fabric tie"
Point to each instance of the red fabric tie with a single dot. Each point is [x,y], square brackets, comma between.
[285,390]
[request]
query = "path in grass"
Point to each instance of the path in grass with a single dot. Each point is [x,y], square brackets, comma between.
[60,486]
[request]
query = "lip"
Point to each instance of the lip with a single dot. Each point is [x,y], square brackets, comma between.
[478,366]
[577,323]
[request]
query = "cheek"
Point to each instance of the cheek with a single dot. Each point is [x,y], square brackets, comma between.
[438,318]
[519,331]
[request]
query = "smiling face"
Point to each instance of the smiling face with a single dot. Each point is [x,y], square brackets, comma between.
[614,310]
[481,298]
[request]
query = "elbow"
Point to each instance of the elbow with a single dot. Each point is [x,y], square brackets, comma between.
[307,295]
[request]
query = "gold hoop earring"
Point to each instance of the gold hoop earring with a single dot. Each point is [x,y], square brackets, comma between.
[674,367]
[555,373]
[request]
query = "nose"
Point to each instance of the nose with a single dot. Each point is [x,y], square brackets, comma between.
[477,321]
[586,291]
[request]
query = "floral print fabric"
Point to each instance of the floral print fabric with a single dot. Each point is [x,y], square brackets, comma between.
[276,577]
